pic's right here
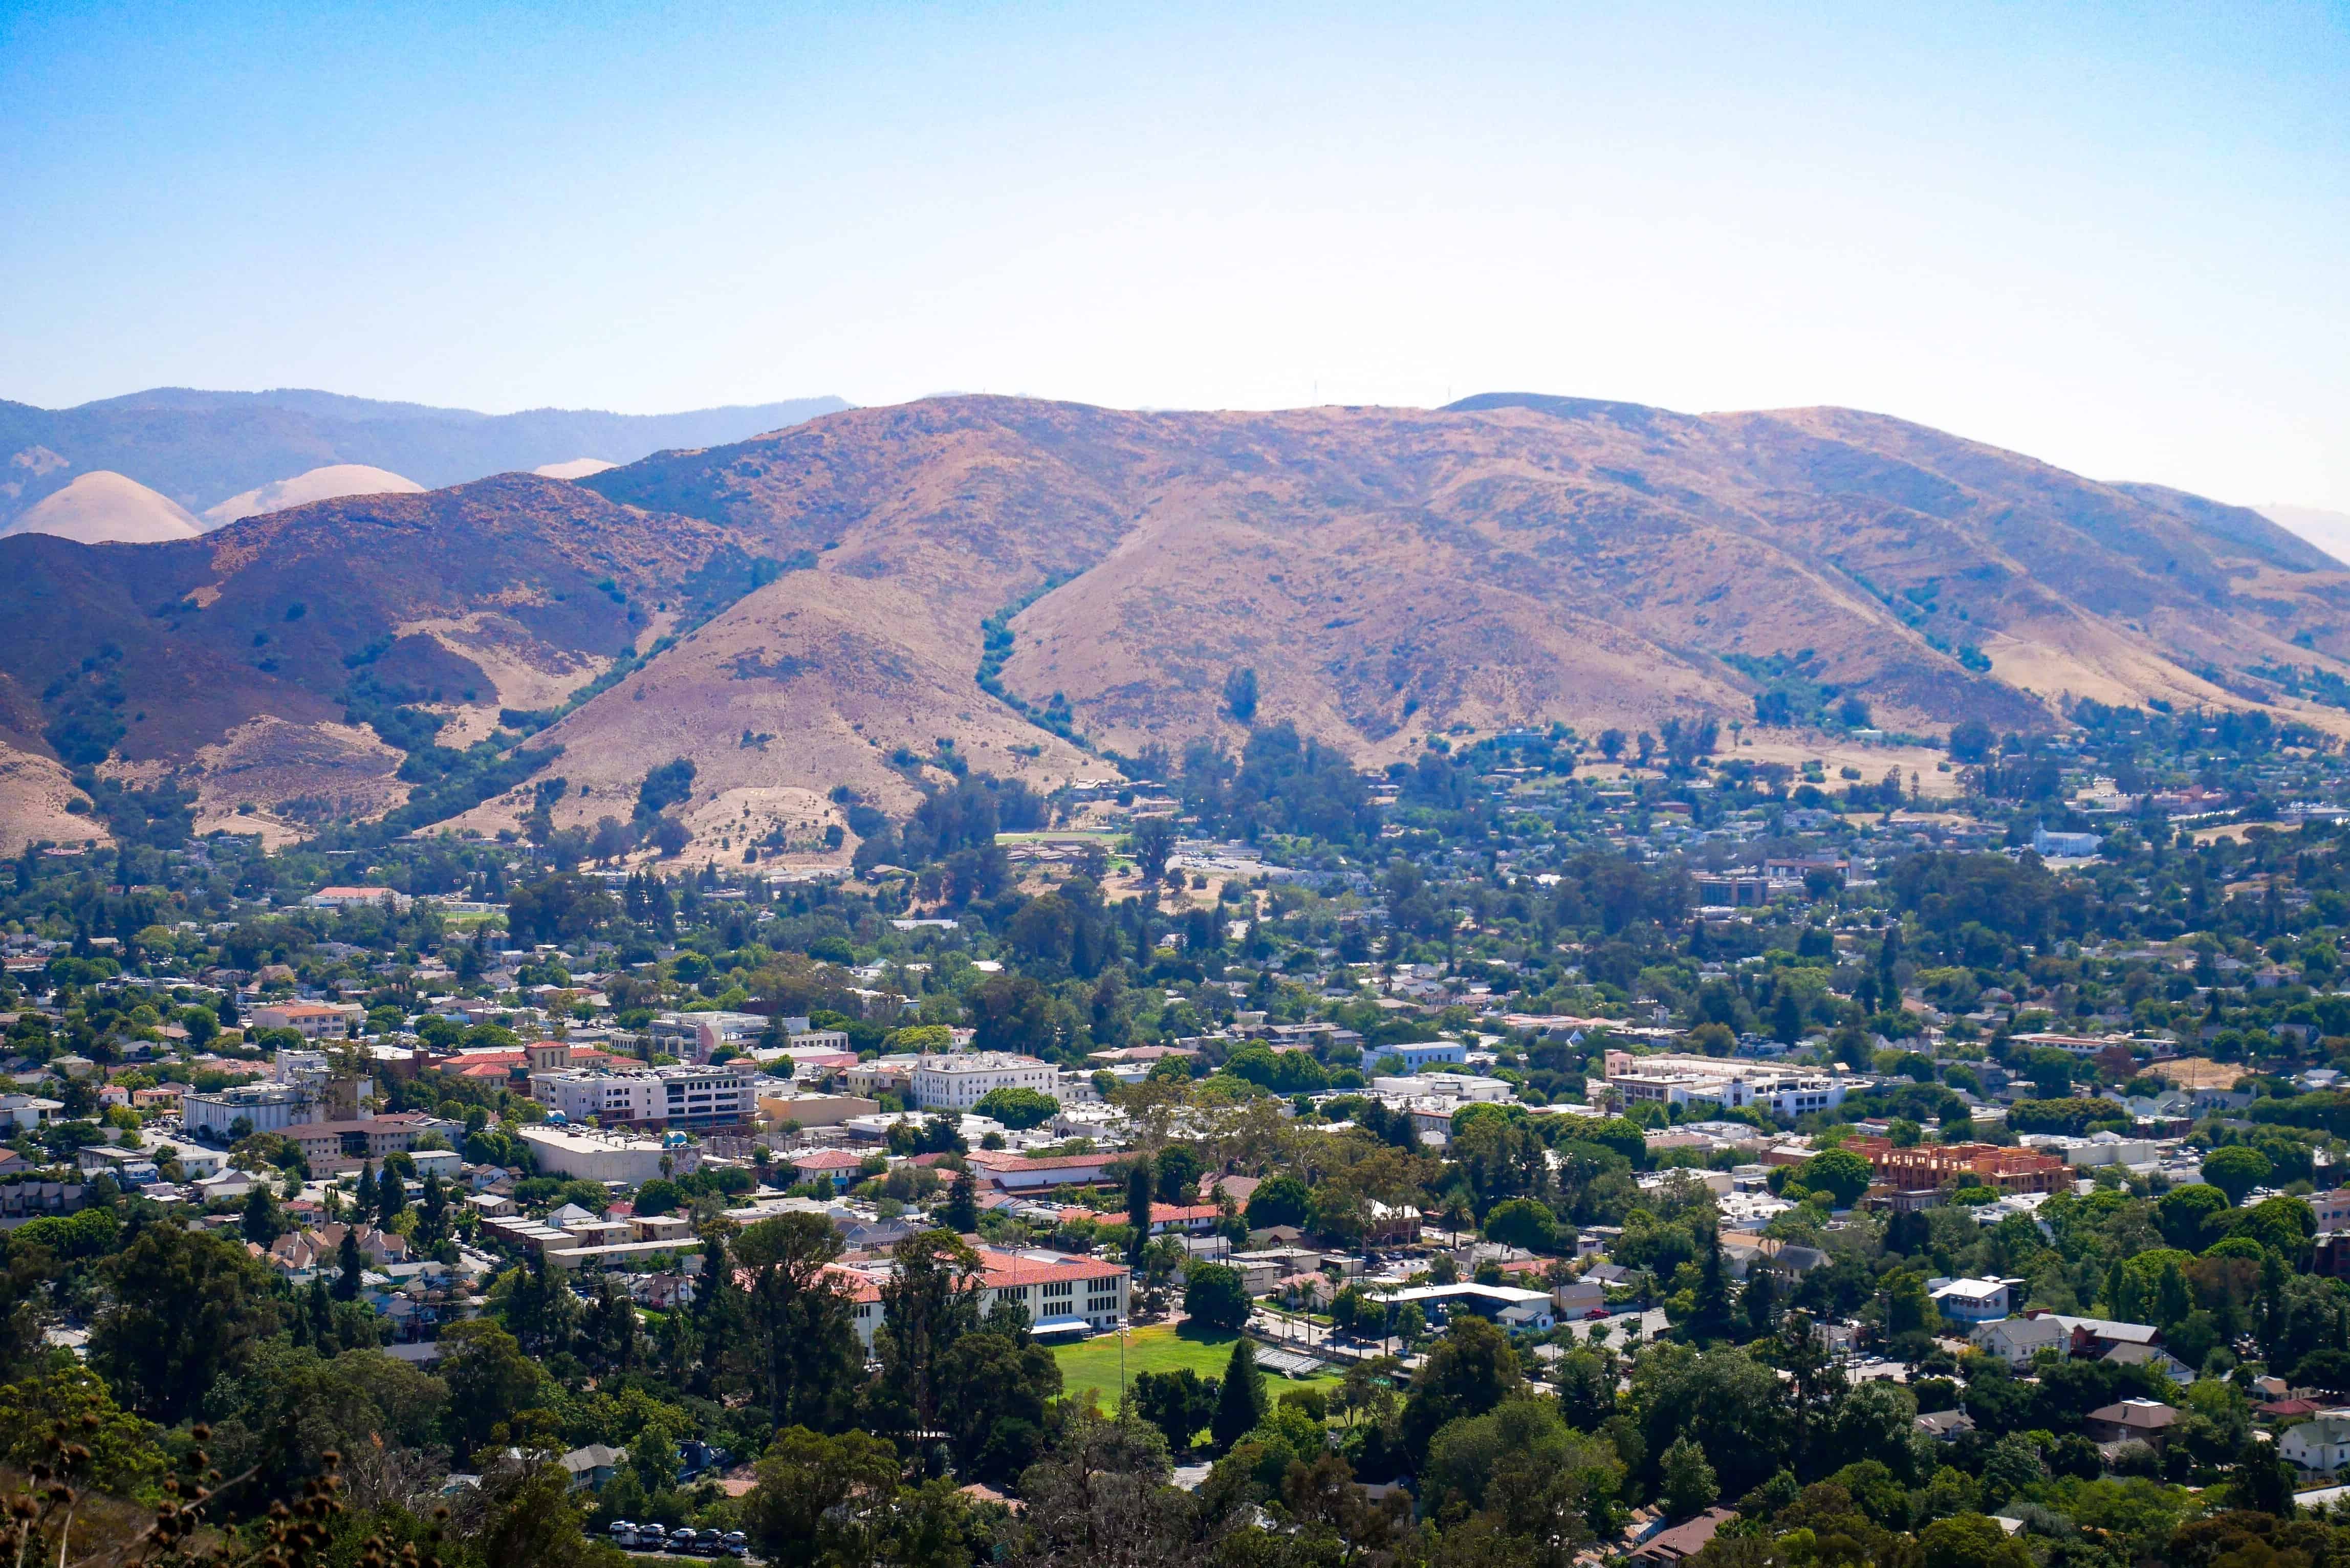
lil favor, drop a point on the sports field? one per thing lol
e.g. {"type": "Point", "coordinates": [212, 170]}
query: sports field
{"type": "Point", "coordinates": [1093, 1363]}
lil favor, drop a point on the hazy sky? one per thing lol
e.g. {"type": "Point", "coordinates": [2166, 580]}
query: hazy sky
{"type": "Point", "coordinates": [2117, 237]}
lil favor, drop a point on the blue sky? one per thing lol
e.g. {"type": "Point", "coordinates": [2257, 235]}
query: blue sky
{"type": "Point", "coordinates": [2114, 238]}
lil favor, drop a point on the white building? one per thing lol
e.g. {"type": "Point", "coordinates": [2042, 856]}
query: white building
{"type": "Point", "coordinates": [2017, 1340]}
{"type": "Point", "coordinates": [1466, 1087]}
{"type": "Point", "coordinates": [2319, 1445]}
{"type": "Point", "coordinates": [593, 1156]}
{"type": "Point", "coordinates": [675, 1095]}
{"type": "Point", "coordinates": [1418, 1054]}
{"type": "Point", "coordinates": [358, 898]}
{"type": "Point", "coordinates": [29, 1111]}
{"type": "Point", "coordinates": [694, 1035]}
{"type": "Point", "coordinates": [1972, 1300]}
{"type": "Point", "coordinates": [262, 1108]}
{"type": "Point", "coordinates": [1063, 1294]}
{"type": "Point", "coordinates": [310, 1020]}
{"type": "Point", "coordinates": [957, 1083]}
{"type": "Point", "coordinates": [1673, 1079]}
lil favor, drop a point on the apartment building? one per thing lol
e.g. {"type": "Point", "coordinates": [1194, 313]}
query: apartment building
{"type": "Point", "coordinates": [1928, 1166]}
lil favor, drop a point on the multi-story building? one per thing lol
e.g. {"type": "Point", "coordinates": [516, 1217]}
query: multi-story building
{"type": "Point", "coordinates": [1670, 1079]}
{"type": "Point", "coordinates": [329, 1146]}
{"type": "Point", "coordinates": [311, 1020]}
{"type": "Point", "coordinates": [957, 1083]}
{"type": "Point", "coordinates": [261, 1107]}
{"type": "Point", "coordinates": [695, 1035]}
{"type": "Point", "coordinates": [655, 1097]}
{"type": "Point", "coordinates": [1928, 1166]}
{"type": "Point", "coordinates": [1061, 1294]}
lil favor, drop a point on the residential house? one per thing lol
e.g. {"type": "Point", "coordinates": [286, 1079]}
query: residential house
{"type": "Point", "coordinates": [2146, 1421]}
{"type": "Point", "coordinates": [2017, 1340]}
{"type": "Point", "coordinates": [2320, 1446]}
{"type": "Point", "coordinates": [2153, 1356]}
{"type": "Point", "coordinates": [1682, 1541]}
{"type": "Point", "coordinates": [594, 1465]}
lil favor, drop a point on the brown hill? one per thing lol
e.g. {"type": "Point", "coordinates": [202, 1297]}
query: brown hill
{"type": "Point", "coordinates": [1388, 573]}
{"type": "Point", "coordinates": [230, 657]}
{"type": "Point", "coordinates": [1395, 573]}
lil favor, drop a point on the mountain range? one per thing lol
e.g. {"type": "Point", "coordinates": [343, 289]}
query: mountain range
{"type": "Point", "coordinates": [200, 449]}
{"type": "Point", "coordinates": [874, 596]}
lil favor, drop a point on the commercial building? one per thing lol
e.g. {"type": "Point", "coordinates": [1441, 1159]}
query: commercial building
{"type": "Point", "coordinates": [332, 1146]}
{"type": "Point", "coordinates": [261, 1107]}
{"type": "Point", "coordinates": [959, 1082]}
{"type": "Point", "coordinates": [670, 1096]}
{"type": "Point", "coordinates": [1521, 1311]}
{"type": "Point", "coordinates": [694, 1035]}
{"type": "Point", "coordinates": [1676, 1079]}
{"type": "Point", "coordinates": [608, 1157]}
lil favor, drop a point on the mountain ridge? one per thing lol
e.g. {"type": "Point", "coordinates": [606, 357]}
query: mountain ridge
{"type": "Point", "coordinates": [812, 608]}
{"type": "Point", "coordinates": [201, 448]}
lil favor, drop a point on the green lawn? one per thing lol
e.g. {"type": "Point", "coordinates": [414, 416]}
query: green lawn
{"type": "Point", "coordinates": [1093, 1363]}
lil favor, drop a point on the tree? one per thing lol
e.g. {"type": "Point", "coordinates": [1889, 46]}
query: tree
{"type": "Point", "coordinates": [1177, 1171]}
{"type": "Point", "coordinates": [2011, 1465]}
{"type": "Point", "coordinates": [1787, 1016]}
{"type": "Point", "coordinates": [1969, 1540]}
{"type": "Point", "coordinates": [959, 1213]}
{"type": "Point", "coordinates": [1154, 841]}
{"type": "Point", "coordinates": [527, 1513]}
{"type": "Point", "coordinates": [1018, 1108]}
{"type": "Point", "coordinates": [1524, 1223]}
{"type": "Point", "coordinates": [2181, 1212]}
{"type": "Point", "coordinates": [1240, 694]}
{"type": "Point", "coordinates": [350, 1265]}
{"type": "Point", "coordinates": [69, 1403]}
{"type": "Point", "coordinates": [1838, 1172]}
{"type": "Point", "coordinates": [1240, 1401]}
{"type": "Point", "coordinates": [1686, 1483]}
{"type": "Point", "coordinates": [1101, 1500]}
{"type": "Point", "coordinates": [931, 1299]}
{"type": "Point", "coordinates": [185, 1307]}
{"type": "Point", "coordinates": [261, 1225]}
{"type": "Point", "coordinates": [2236, 1170]}
{"type": "Point", "coordinates": [1137, 1206]}
{"type": "Point", "coordinates": [1711, 1320]}
{"type": "Point", "coordinates": [799, 1351]}
{"type": "Point", "coordinates": [1471, 1369]}
{"type": "Point", "coordinates": [1215, 1297]}
{"type": "Point", "coordinates": [490, 1380]}
{"type": "Point", "coordinates": [1970, 740]}
{"type": "Point", "coordinates": [822, 1503]}
{"type": "Point", "coordinates": [1279, 1200]}
{"type": "Point", "coordinates": [997, 1384]}
{"type": "Point", "coordinates": [1178, 1403]}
